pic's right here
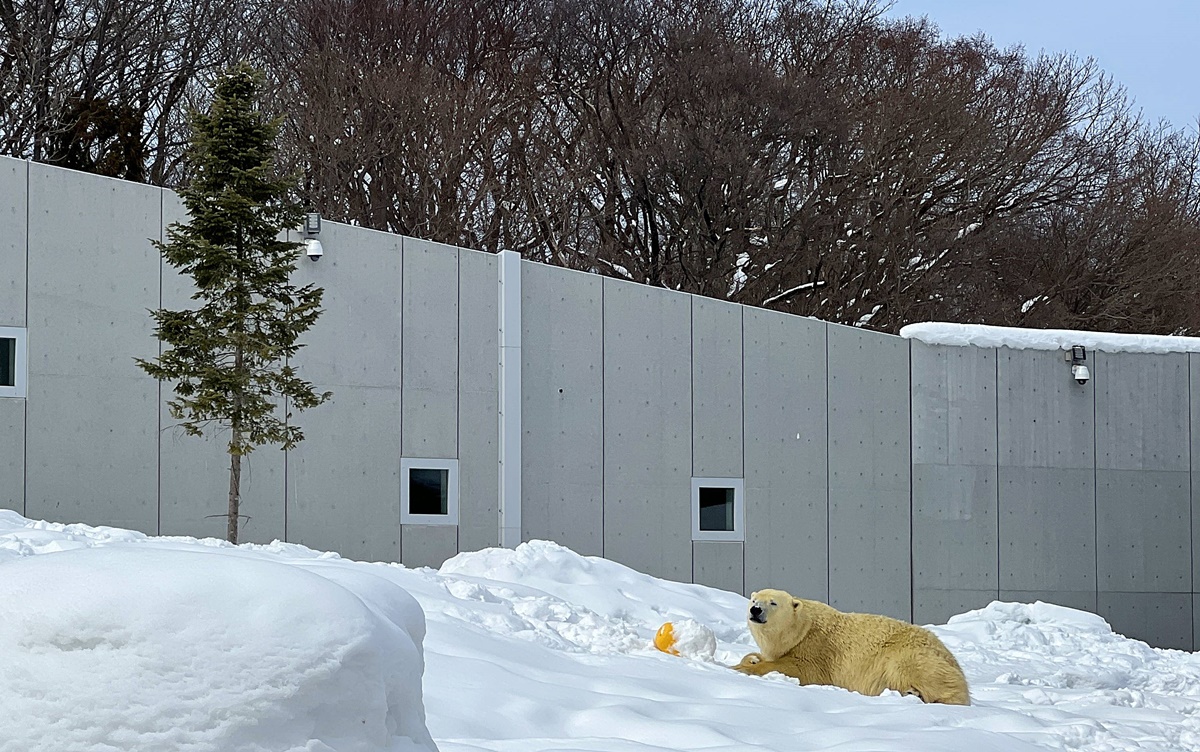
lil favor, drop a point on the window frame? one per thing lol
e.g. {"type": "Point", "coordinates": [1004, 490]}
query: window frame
{"type": "Point", "coordinates": [20, 388]}
{"type": "Point", "coordinates": [738, 534]}
{"type": "Point", "coordinates": [408, 464]}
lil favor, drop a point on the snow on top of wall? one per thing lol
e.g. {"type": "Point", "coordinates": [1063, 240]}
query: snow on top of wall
{"type": "Point", "coordinates": [979, 335]}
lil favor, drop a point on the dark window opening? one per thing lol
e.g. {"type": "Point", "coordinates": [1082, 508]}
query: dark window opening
{"type": "Point", "coordinates": [428, 491]}
{"type": "Point", "coordinates": [716, 509]}
{"type": "Point", "coordinates": [8, 361]}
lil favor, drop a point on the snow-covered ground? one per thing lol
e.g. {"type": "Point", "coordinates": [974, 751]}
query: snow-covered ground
{"type": "Point", "coordinates": [111, 640]}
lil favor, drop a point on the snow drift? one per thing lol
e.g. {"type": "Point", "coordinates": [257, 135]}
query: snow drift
{"type": "Point", "coordinates": [113, 640]}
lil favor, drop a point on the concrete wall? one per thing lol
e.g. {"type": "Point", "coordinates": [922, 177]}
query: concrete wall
{"type": "Point", "coordinates": [343, 480]}
{"type": "Point", "coordinates": [1143, 496]}
{"type": "Point", "coordinates": [94, 441]}
{"type": "Point", "coordinates": [1046, 469]}
{"type": "Point", "coordinates": [1027, 485]}
{"type": "Point", "coordinates": [1194, 433]}
{"type": "Point", "coordinates": [787, 454]}
{"type": "Point", "coordinates": [869, 468]}
{"type": "Point", "coordinates": [955, 498]}
{"type": "Point", "coordinates": [14, 221]}
{"type": "Point", "coordinates": [562, 395]}
{"type": "Point", "coordinates": [717, 427]}
{"type": "Point", "coordinates": [879, 474]}
{"type": "Point", "coordinates": [648, 429]}
{"type": "Point", "coordinates": [91, 436]}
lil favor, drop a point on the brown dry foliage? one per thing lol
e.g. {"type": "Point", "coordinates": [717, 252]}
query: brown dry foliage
{"type": "Point", "coordinates": [812, 156]}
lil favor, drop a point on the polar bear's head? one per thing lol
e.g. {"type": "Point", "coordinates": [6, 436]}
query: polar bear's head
{"type": "Point", "coordinates": [777, 621]}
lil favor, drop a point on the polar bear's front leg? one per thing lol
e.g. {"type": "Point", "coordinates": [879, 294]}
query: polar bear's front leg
{"type": "Point", "coordinates": [755, 664]}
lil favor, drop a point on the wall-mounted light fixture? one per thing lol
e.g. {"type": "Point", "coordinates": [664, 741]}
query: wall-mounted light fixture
{"type": "Point", "coordinates": [1076, 356]}
{"type": "Point", "coordinates": [312, 227]}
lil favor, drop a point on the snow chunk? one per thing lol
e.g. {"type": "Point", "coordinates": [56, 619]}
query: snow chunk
{"type": "Point", "coordinates": [979, 335]}
{"type": "Point", "coordinates": [1028, 304]}
{"type": "Point", "coordinates": [694, 640]}
{"type": "Point", "coordinates": [968, 230]}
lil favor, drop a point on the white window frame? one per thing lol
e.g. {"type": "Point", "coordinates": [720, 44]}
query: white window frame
{"type": "Point", "coordinates": [407, 464]}
{"type": "Point", "coordinates": [738, 534]}
{"type": "Point", "coordinates": [21, 388]}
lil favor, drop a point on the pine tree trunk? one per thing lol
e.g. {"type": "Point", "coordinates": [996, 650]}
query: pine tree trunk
{"type": "Point", "coordinates": [235, 457]}
{"type": "Point", "coordinates": [235, 492]}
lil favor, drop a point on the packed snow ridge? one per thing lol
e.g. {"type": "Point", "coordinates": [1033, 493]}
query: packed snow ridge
{"type": "Point", "coordinates": [114, 640]}
{"type": "Point", "coordinates": [980, 335]}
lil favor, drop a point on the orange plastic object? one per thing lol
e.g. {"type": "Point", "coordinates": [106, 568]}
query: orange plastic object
{"type": "Point", "coordinates": [664, 639]}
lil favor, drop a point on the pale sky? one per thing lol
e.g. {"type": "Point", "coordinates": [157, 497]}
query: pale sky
{"type": "Point", "coordinates": [1152, 47]}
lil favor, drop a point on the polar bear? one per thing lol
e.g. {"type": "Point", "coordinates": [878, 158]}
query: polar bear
{"type": "Point", "coordinates": [866, 653]}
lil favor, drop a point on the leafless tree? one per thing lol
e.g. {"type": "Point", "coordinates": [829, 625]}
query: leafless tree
{"type": "Point", "coordinates": [105, 85]}
{"type": "Point", "coordinates": [813, 156]}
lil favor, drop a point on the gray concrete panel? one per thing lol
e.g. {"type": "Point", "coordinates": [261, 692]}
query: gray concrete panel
{"type": "Point", "coordinates": [562, 412]}
{"type": "Point", "coordinates": [1194, 400]}
{"type": "Point", "coordinates": [1084, 600]}
{"type": "Point", "coordinates": [953, 405]}
{"type": "Point", "coordinates": [429, 355]}
{"type": "Point", "coordinates": [954, 488]}
{"type": "Point", "coordinates": [1047, 529]}
{"type": "Point", "coordinates": [647, 429]}
{"type": "Point", "coordinates": [356, 341]}
{"type": "Point", "coordinates": [92, 444]}
{"type": "Point", "coordinates": [1141, 411]}
{"type": "Point", "coordinates": [12, 453]}
{"type": "Point", "coordinates": [937, 605]}
{"type": "Point", "coordinates": [343, 480]}
{"type": "Point", "coordinates": [91, 451]}
{"type": "Point", "coordinates": [478, 402]}
{"type": "Point", "coordinates": [954, 533]}
{"type": "Point", "coordinates": [718, 564]}
{"type": "Point", "coordinates": [14, 206]}
{"type": "Point", "coordinates": [194, 471]}
{"type": "Point", "coordinates": [1195, 621]}
{"type": "Point", "coordinates": [194, 486]}
{"type": "Point", "coordinates": [93, 276]}
{"type": "Point", "coordinates": [1163, 620]}
{"type": "Point", "coordinates": [787, 495]}
{"type": "Point", "coordinates": [716, 389]}
{"type": "Point", "coordinates": [1142, 531]}
{"type": "Point", "coordinates": [869, 472]}
{"type": "Point", "coordinates": [428, 545]}
{"type": "Point", "coordinates": [1045, 418]}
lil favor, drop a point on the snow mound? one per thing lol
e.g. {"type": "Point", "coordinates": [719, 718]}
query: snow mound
{"type": "Point", "coordinates": [979, 335]}
{"type": "Point", "coordinates": [131, 646]}
{"type": "Point", "coordinates": [113, 640]}
{"type": "Point", "coordinates": [611, 590]}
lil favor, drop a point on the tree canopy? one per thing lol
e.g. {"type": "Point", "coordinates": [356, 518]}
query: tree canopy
{"type": "Point", "coordinates": [812, 156]}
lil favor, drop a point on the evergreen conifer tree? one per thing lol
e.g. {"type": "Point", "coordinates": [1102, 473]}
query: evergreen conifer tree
{"type": "Point", "coordinates": [228, 358]}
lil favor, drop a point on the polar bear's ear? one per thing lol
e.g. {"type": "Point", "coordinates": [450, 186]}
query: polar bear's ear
{"type": "Point", "coordinates": [795, 604]}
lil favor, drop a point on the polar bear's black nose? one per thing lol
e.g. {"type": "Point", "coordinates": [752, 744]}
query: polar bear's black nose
{"type": "Point", "coordinates": [756, 614]}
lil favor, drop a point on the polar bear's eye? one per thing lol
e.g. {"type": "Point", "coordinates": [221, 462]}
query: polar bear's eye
{"type": "Point", "coordinates": [773, 603]}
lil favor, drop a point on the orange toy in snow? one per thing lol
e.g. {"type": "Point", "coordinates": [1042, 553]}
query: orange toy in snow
{"type": "Point", "coordinates": [664, 639]}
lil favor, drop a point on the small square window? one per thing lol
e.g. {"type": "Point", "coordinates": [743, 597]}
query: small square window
{"type": "Point", "coordinates": [718, 509]}
{"type": "Point", "coordinates": [428, 491]}
{"type": "Point", "coordinates": [12, 362]}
